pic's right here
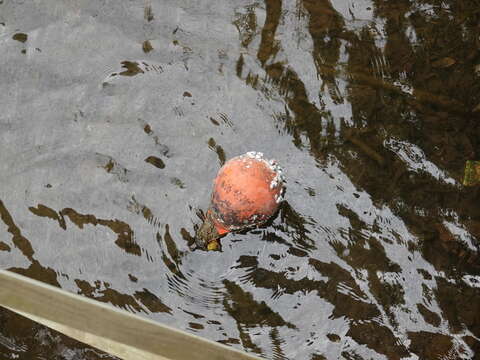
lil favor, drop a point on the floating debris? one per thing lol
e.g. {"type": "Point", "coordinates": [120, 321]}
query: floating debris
{"type": "Point", "coordinates": [472, 173]}
{"type": "Point", "coordinates": [20, 37]}
{"type": "Point", "coordinates": [147, 46]}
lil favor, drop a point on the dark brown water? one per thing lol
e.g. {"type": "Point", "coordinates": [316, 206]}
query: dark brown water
{"type": "Point", "coordinates": [116, 116]}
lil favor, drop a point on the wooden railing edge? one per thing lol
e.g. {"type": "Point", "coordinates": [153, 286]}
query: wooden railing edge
{"type": "Point", "coordinates": [105, 327]}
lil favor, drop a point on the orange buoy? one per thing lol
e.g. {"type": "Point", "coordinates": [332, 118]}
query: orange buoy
{"type": "Point", "coordinates": [246, 193]}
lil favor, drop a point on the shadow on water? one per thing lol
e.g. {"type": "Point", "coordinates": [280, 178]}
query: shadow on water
{"type": "Point", "coordinates": [17, 342]}
{"type": "Point", "coordinates": [375, 253]}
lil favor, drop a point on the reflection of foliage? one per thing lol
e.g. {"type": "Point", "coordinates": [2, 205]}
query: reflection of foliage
{"type": "Point", "coordinates": [408, 77]}
{"type": "Point", "coordinates": [413, 81]}
{"type": "Point", "coordinates": [102, 291]}
{"type": "Point", "coordinates": [35, 269]}
{"type": "Point", "coordinates": [352, 305]}
{"type": "Point", "coordinates": [295, 225]}
{"type": "Point", "coordinates": [249, 313]}
{"type": "Point", "coordinates": [246, 24]}
{"type": "Point", "coordinates": [379, 338]}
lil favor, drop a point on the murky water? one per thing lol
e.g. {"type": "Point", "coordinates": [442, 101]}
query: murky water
{"type": "Point", "coordinates": [116, 116]}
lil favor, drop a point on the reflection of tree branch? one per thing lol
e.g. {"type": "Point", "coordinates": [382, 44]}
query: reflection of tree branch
{"type": "Point", "coordinates": [20, 241]}
{"type": "Point", "coordinates": [324, 25]}
{"type": "Point", "coordinates": [418, 95]}
{"type": "Point", "coordinates": [35, 270]}
{"type": "Point", "coordinates": [267, 46]}
{"type": "Point", "coordinates": [366, 149]}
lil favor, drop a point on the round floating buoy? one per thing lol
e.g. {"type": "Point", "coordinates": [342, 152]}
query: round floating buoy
{"type": "Point", "coordinates": [246, 193]}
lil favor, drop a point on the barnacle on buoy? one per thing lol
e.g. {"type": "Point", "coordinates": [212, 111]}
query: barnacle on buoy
{"type": "Point", "coordinates": [246, 193]}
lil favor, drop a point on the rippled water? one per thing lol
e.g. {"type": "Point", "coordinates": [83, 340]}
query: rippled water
{"type": "Point", "coordinates": [116, 116]}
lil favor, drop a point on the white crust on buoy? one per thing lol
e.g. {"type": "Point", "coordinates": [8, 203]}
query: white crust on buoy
{"type": "Point", "coordinates": [278, 179]}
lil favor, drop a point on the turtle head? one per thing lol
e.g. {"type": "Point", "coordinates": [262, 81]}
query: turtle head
{"type": "Point", "coordinates": [207, 237]}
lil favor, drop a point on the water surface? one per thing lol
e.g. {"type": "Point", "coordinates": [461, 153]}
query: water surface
{"type": "Point", "coordinates": [116, 116]}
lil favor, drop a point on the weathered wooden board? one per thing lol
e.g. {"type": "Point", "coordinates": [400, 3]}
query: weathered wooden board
{"type": "Point", "coordinates": [102, 326]}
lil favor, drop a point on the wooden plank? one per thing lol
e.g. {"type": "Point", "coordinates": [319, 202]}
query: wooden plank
{"type": "Point", "coordinates": [120, 350]}
{"type": "Point", "coordinates": [107, 328]}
